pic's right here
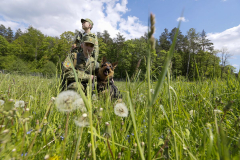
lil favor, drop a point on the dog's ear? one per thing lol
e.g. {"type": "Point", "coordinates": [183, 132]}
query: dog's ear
{"type": "Point", "coordinates": [104, 60]}
{"type": "Point", "coordinates": [114, 65]}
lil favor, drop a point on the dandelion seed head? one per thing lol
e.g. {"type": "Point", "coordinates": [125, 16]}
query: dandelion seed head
{"type": "Point", "coordinates": [31, 97]}
{"type": "Point", "coordinates": [82, 121]}
{"type": "Point", "coordinates": [19, 104]}
{"type": "Point", "coordinates": [2, 102]}
{"type": "Point", "coordinates": [192, 113]}
{"type": "Point", "coordinates": [46, 157]}
{"type": "Point", "coordinates": [152, 91]}
{"type": "Point", "coordinates": [94, 97]}
{"type": "Point", "coordinates": [121, 110]}
{"type": "Point", "coordinates": [101, 109]}
{"type": "Point", "coordinates": [79, 104]}
{"type": "Point", "coordinates": [68, 101]}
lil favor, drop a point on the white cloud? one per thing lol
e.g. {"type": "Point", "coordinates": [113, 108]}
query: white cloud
{"type": "Point", "coordinates": [57, 16]}
{"type": "Point", "coordinates": [229, 38]}
{"type": "Point", "coordinates": [182, 19]}
{"type": "Point", "coordinates": [235, 65]}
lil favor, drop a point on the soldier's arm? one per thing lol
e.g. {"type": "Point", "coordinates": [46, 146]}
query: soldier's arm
{"type": "Point", "coordinates": [69, 73]}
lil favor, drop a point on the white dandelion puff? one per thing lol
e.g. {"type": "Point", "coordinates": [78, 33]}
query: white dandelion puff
{"type": "Point", "coordinates": [140, 97]}
{"type": "Point", "coordinates": [82, 121]}
{"type": "Point", "coordinates": [68, 101]}
{"type": "Point", "coordinates": [19, 104]}
{"type": "Point", "coordinates": [217, 111]}
{"type": "Point", "coordinates": [2, 102]}
{"type": "Point", "coordinates": [94, 97]}
{"type": "Point", "coordinates": [152, 91]}
{"type": "Point", "coordinates": [31, 97]}
{"type": "Point", "coordinates": [192, 113]}
{"type": "Point", "coordinates": [121, 110]}
{"type": "Point", "coordinates": [79, 104]}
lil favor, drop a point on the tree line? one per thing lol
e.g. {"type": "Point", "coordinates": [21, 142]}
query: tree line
{"type": "Point", "coordinates": [194, 57]}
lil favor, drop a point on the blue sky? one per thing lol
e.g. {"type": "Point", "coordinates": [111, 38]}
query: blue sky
{"type": "Point", "coordinates": [219, 18]}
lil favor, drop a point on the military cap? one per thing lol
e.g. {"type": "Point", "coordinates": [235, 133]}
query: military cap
{"type": "Point", "coordinates": [89, 38]}
{"type": "Point", "coordinates": [88, 20]}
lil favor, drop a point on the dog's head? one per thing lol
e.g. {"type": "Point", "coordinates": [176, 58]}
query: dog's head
{"type": "Point", "coordinates": [106, 70]}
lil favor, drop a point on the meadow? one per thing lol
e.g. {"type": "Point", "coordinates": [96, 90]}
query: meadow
{"type": "Point", "coordinates": [190, 120]}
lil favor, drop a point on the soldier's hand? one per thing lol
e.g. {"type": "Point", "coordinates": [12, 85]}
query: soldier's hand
{"type": "Point", "coordinates": [74, 46]}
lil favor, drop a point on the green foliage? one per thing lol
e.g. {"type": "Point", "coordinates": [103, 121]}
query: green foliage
{"type": "Point", "coordinates": [19, 66]}
{"type": "Point", "coordinates": [194, 55]}
{"type": "Point", "coordinates": [49, 69]}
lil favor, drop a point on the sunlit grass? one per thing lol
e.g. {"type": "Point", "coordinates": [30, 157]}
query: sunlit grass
{"type": "Point", "coordinates": [206, 134]}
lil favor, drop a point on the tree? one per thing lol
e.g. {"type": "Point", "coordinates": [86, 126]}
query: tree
{"type": "Point", "coordinates": [106, 37]}
{"type": "Point", "coordinates": [9, 35]}
{"type": "Point", "coordinates": [18, 34]}
{"type": "Point", "coordinates": [205, 43]}
{"type": "Point", "coordinates": [3, 30]}
{"type": "Point", "coordinates": [225, 55]}
{"type": "Point", "coordinates": [164, 41]}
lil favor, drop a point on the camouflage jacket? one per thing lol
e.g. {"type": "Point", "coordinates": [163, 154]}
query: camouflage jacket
{"type": "Point", "coordinates": [78, 41]}
{"type": "Point", "coordinates": [82, 66]}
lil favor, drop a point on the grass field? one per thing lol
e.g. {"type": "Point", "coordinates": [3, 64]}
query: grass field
{"type": "Point", "coordinates": [189, 120]}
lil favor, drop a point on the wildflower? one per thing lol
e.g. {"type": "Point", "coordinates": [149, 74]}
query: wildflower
{"type": "Point", "coordinates": [152, 91]}
{"type": "Point", "coordinates": [19, 104]}
{"type": "Point", "coordinates": [140, 97]}
{"type": "Point", "coordinates": [94, 97]}
{"type": "Point", "coordinates": [53, 99]}
{"type": "Point", "coordinates": [135, 145]}
{"type": "Point", "coordinates": [68, 101]}
{"type": "Point", "coordinates": [142, 143]}
{"type": "Point", "coordinates": [46, 156]}
{"type": "Point", "coordinates": [217, 111]}
{"type": "Point", "coordinates": [119, 155]}
{"type": "Point", "coordinates": [121, 110]}
{"type": "Point", "coordinates": [82, 121]}
{"type": "Point", "coordinates": [1, 102]}
{"type": "Point", "coordinates": [31, 97]}
{"type": "Point", "coordinates": [89, 145]}
{"type": "Point", "coordinates": [184, 146]}
{"type": "Point", "coordinates": [29, 131]}
{"type": "Point", "coordinates": [192, 113]}
{"type": "Point", "coordinates": [14, 149]}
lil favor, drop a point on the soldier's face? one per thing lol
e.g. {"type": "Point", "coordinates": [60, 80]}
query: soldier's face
{"type": "Point", "coordinates": [86, 25]}
{"type": "Point", "coordinates": [87, 48]}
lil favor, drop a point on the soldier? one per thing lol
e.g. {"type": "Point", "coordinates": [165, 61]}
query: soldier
{"type": "Point", "coordinates": [82, 62]}
{"type": "Point", "coordinates": [87, 25]}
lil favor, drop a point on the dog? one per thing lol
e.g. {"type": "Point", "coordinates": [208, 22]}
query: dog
{"type": "Point", "coordinates": [105, 79]}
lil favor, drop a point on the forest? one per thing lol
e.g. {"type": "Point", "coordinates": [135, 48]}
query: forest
{"type": "Point", "coordinates": [194, 55]}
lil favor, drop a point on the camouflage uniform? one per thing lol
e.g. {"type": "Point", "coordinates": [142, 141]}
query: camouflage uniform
{"type": "Point", "coordinates": [78, 40]}
{"type": "Point", "coordinates": [82, 66]}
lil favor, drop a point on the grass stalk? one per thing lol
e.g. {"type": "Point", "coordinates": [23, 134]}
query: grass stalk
{"type": "Point", "coordinates": [171, 107]}
{"type": "Point", "coordinates": [65, 135]}
{"type": "Point", "coordinates": [78, 143]}
{"type": "Point", "coordinates": [45, 115]}
{"type": "Point", "coordinates": [135, 126]}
